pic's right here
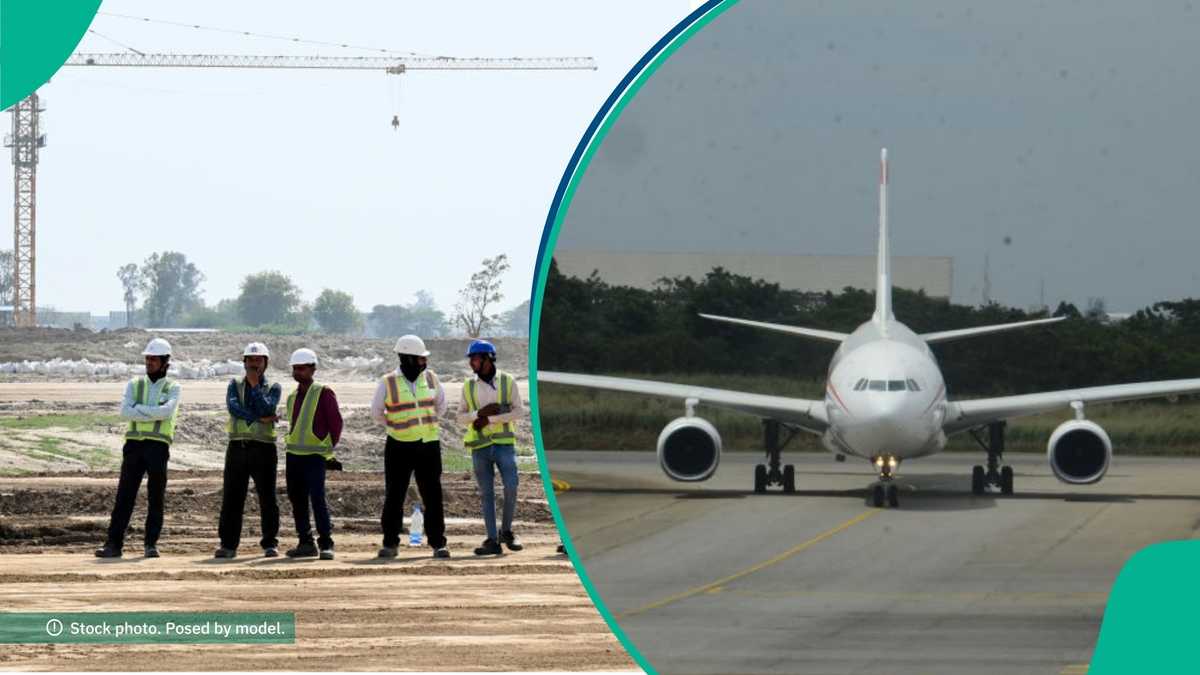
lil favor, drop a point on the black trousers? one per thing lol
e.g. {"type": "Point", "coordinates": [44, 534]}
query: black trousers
{"type": "Point", "coordinates": [400, 461]}
{"type": "Point", "coordinates": [138, 459]}
{"type": "Point", "coordinates": [305, 483]}
{"type": "Point", "coordinates": [246, 461]}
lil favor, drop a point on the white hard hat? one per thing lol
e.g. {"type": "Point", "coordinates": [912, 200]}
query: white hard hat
{"type": "Point", "coordinates": [256, 349]}
{"type": "Point", "coordinates": [412, 345]}
{"type": "Point", "coordinates": [157, 347]}
{"type": "Point", "coordinates": [303, 357]}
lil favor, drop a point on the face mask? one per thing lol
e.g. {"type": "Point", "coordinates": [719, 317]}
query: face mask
{"type": "Point", "coordinates": [410, 366]}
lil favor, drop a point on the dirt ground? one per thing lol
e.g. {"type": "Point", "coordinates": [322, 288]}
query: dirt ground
{"type": "Point", "coordinates": [59, 453]}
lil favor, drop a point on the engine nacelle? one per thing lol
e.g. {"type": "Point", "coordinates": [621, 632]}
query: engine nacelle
{"type": "Point", "coordinates": [689, 449]}
{"type": "Point", "coordinates": [1079, 452]}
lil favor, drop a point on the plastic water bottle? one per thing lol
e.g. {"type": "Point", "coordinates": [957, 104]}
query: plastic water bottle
{"type": "Point", "coordinates": [416, 527]}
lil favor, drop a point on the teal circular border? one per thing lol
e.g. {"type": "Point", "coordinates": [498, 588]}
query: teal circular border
{"type": "Point", "coordinates": [584, 151]}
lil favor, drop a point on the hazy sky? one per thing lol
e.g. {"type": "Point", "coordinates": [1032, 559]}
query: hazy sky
{"type": "Point", "coordinates": [1058, 137]}
{"type": "Point", "coordinates": [301, 171]}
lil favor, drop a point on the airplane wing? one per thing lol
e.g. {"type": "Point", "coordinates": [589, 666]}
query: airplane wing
{"type": "Point", "coordinates": [946, 335]}
{"type": "Point", "coordinates": [963, 415]}
{"type": "Point", "coordinates": [805, 413]}
{"type": "Point", "coordinates": [814, 333]}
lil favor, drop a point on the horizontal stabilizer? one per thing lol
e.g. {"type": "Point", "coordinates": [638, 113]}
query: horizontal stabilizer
{"type": "Point", "coordinates": [817, 334]}
{"type": "Point", "coordinates": [947, 335]}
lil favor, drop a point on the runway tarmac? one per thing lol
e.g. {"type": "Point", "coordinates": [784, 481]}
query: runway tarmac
{"type": "Point", "coordinates": [711, 578]}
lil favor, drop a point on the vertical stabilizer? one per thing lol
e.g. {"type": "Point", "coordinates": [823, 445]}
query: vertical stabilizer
{"type": "Point", "coordinates": [883, 279]}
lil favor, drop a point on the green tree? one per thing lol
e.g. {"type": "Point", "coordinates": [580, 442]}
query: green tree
{"type": "Point", "coordinates": [171, 286]}
{"type": "Point", "coordinates": [388, 320]}
{"type": "Point", "coordinates": [336, 313]}
{"type": "Point", "coordinates": [426, 319]}
{"type": "Point", "coordinates": [516, 320]}
{"type": "Point", "coordinates": [268, 298]}
{"type": "Point", "coordinates": [422, 317]}
{"type": "Point", "coordinates": [481, 293]}
{"type": "Point", "coordinates": [130, 278]}
{"type": "Point", "coordinates": [6, 277]}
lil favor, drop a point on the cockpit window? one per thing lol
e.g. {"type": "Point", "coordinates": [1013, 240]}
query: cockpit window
{"type": "Point", "coordinates": [886, 385]}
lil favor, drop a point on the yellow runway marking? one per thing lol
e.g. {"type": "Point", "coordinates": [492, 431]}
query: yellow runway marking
{"type": "Point", "coordinates": [1075, 669]}
{"type": "Point", "coordinates": [560, 485]}
{"type": "Point", "coordinates": [709, 587]}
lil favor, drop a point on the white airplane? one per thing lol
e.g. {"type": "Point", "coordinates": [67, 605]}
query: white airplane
{"type": "Point", "coordinates": [885, 401]}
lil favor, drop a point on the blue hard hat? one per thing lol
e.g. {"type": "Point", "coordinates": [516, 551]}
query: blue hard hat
{"type": "Point", "coordinates": [481, 347]}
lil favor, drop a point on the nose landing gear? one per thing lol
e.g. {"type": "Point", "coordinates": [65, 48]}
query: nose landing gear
{"type": "Point", "coordinates": [885, 491]}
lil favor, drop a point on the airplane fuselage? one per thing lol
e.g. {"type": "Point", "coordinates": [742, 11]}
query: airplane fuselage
{"type": "Point", "coordinates": [885, 396]}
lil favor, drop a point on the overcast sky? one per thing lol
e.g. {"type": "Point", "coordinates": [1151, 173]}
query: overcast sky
{"type": "Point", "coordinates": [301, 171]}
{"type": "Point", "coordinates": [1060, 138]}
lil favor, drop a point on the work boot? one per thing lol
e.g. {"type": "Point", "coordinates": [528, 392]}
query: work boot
{"type": "Point", "coordinates": [306, 549]}
{"type": "Point", "coordinates": [388, 552]}
{"type": "Point", "coordinates": [225, 553]}
{"type": "Point", "coordinates": [271, 552]}
{"type": "Point", "coordinates": [489, 547]}
{"type": "Point", "coordinates": [511, 541]}
{"type": "Point", "coordinates": [327, 554]}
{"type": "Point", "coordinates": [108, 552]}
{"type": "Point", "coordinates": [151, 552]}
{"type": "Point", "coordinates": [442, 552]}
{"type": "Point", "coordinates": [562, 548]}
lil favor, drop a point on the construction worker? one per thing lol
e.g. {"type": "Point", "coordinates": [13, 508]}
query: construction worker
{"type": "Point", "coordinates": [251, 454]}
{"type": "Point", "coordinates": [151, 404]}
{"type": "Point", "coordinates": [489, 407]}
{"type": "Point", "coordinates": [316, 427]}
{"type": "Point", "coordinates": [408, 402]}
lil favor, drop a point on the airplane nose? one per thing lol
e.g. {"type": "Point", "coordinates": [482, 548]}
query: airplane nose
{"type": "Point", "coordinates": [882, 426]}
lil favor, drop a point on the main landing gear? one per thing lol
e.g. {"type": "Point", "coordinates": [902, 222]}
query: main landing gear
{"type": "Point", "coordinates": [772, 473]}
{"type": "Point", "coordinates": [885, 491]}
{"type": "Point", "coordinates": [995, 475]}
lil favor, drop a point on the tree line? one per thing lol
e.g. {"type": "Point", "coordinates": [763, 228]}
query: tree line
{"type": "Point", "coordinates": [588, 325]}
{"type": "Point", "coordinates": [165, 291]}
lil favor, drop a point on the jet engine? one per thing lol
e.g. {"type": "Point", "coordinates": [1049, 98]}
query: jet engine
{"type": "Point", "coordinates": [689, 449]}
{"type": "Point", "coordinates": [1079, 452]}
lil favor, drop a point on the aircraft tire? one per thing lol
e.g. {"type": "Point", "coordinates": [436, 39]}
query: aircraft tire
{"type": "Point", "coordinates": [978, 476]}
{"type": "Point", "coordinates": [1006, 480]}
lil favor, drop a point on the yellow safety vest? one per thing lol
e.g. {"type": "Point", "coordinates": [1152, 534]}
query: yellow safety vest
{"type": "Point", "coordinates": [492, 434]}
{"type": "Point", "coordinates": [158, 430]}
{"type": "Point", "coordinates": [300, 438]}
{"type": "Point", "coordinates": [241, 430]}
{"type": "Point", "coordinates": [411, 416]}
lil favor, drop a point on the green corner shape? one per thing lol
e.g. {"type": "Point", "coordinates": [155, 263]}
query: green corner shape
{"type": "Point", "coordinates": [36, 37]}
{"type": "Point", "coordinates": [1148, 624]}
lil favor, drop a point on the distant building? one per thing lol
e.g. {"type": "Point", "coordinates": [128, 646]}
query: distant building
{"type": "Point", "coordinates": [53, 318]}
{"type": "Point", "coordinates": [812, 273]}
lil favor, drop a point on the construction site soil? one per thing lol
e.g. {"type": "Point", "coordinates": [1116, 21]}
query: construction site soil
{"type": "Point", "coordinates": [59, 455]}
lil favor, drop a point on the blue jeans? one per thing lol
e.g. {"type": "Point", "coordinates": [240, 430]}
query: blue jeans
{"type": "Point", "coordinates": [486, 460]}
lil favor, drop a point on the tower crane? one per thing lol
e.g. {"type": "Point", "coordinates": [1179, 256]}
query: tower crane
{"type": "Point", "coordinates": [27, 138]}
